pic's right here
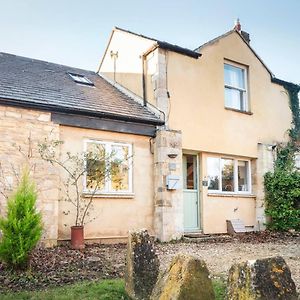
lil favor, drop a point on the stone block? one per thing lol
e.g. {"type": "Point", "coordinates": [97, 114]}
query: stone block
{"type": "Point", "coordinates": [187, 277]}
{"type": "Point", "coordinates": [142, 265]}
{"type": "Point", "coordinates": [44, 117]}
{"type": "Point", "coordinates": [13, 114]}
{"type": "Point", "coordinates": [261, 279]}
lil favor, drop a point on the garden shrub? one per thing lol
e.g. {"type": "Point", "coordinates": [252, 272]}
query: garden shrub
{"type": "Point", "coordinates": [282, 187]}
{"type": "Point", "coordinates": [282, 192]}
{"type": "Point", "coordinates": [22, 227]}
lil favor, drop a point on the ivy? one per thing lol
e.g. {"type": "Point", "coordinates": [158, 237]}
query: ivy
{"type": "Point", "coordinates": [282, 187]}
{"type": "Point", "coordinates": [282, 191]}
{"type": "Point", "coordinates": [293, 92]}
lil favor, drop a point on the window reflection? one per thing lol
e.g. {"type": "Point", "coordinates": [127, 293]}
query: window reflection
{"type": "Point", "coordinates": [190, 172]}
{"type": "Point", "coordinates": [227, 175]}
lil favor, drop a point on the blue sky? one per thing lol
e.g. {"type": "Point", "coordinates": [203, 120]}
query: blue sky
{"type": "Point", "coordinates": [75, 33]}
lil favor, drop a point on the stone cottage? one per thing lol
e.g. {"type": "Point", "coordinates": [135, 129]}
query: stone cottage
{"type": "Point", "coordinates": [200, 127]}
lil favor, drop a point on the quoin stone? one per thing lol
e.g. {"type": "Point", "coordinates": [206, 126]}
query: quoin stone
{"type": "Point", "coordinates": [142, 265]}
{"type": "Point", "coordinates": [187, 277]}
{"type": "Point", "coordinates": [261, 279]}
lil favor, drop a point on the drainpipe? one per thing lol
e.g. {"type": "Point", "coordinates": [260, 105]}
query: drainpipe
{"type": "Point", "coordinates": [114, 56]}
{"type": "Point", "coordinates": [144, 79]}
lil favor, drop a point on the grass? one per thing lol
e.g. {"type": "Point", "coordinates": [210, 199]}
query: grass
{"type": "Point", "coordinates": [103, 290]}
{"type": "Point", "coordinates": [219, 288]}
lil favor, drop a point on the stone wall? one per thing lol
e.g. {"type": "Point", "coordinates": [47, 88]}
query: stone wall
{"type": "Point", "coordinates": [160, 82]}
{"type": "Point", "coordinates": [168, 210]}
{"type": "Point", "coordinates": [264, 164]}
{"type": "Point", "coordinates": [20, 132]}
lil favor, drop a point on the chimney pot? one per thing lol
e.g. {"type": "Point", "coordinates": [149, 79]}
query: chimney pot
{"type": "Point", "coordinates": [237, 25]}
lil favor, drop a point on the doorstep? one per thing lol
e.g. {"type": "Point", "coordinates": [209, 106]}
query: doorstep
{"type": "Point", "coordinates": [198, 237]}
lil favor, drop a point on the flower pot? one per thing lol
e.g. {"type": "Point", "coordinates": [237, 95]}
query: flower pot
{"type": "Point", "coordinates": [77, 237]}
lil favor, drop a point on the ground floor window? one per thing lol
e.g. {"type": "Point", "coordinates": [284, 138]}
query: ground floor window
{"type": "Point", "coordinates": [228, 175]}
{"type": "Point", "coordinates": [108, 167]}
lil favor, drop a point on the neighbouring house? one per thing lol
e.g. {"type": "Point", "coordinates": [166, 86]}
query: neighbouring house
{"type": "Point", "coordinates": [199, 125]}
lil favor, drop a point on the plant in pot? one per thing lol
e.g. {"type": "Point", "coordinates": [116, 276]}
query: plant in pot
{"type": "Point", "coordinates": [83, 176]}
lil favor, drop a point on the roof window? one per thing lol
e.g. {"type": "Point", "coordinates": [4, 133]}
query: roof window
{"type": "Point", "coordinates": [80, 79]}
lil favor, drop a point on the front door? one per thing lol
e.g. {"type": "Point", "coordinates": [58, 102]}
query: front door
{"type": "Point", "coordinates": [190, 192]}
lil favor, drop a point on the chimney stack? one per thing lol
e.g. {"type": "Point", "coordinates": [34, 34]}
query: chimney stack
{"type": "Point", "coordinates": [238, 28]}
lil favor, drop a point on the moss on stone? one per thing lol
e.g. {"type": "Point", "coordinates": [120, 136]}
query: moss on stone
{"type": "Point", "coordinates": [261, 279]}
{"type": "Point", "coordinates": [186, 278]}
{"type": "Point", "coordinates": [142, 265]}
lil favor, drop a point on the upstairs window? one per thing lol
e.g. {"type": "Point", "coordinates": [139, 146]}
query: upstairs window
{"type": "Point", "coordinates": [80, 79]}
{"type": "Point", "coordinates": [235, 87]}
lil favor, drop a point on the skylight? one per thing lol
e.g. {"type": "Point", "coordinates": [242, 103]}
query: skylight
{"type": "Point", "coordinates": [80, 79]}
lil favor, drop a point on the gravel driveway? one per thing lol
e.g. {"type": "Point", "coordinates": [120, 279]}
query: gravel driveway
{"type": "Point", "coordinates": [219, 257]}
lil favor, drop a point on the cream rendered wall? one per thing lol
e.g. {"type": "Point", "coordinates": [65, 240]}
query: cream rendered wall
{"type": "Point", "coordinates": [129, 67]}
{"type": "Point", "coordinates": [197, 102]}
{"type": "Point", "coordinates": [116, 215]}
{"type": "Point", "coordinates": [197, 109]}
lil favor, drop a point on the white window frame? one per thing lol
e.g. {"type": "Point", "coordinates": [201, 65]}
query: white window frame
{"type": "Point", "coordinates": [245, 90]}
{"type": "Point", "coordinates": [235, 176]}
{"type": "Point", "coordinates": [107, 185]}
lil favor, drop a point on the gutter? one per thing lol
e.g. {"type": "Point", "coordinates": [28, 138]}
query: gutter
{"type": "Point", "coordinates": [285, 83]}
{"type": "Point", "coordinates": [55, 108]}
{"type": "Point", "coordinates": [178, 49]}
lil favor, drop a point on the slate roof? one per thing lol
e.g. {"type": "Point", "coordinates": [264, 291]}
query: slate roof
{"type": "Point", "coordinates": [40, 84]}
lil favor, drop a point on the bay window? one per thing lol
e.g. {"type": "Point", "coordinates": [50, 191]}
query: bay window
{"type": "Point", "coordinates": [228, 175]}
{"type": "Point", "coordinates": [108, 167]}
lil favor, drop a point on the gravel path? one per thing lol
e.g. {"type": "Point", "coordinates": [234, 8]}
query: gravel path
{"type": "Point", "coordinates": [220, 256]}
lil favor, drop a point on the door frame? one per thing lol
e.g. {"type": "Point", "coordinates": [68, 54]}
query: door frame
{"type": "Point", "coordinates": [196, 154]}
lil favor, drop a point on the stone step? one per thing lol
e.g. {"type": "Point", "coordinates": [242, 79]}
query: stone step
{"type": "Point", "coordinates": [201, 237]}
{"type": "Point", "coordinates": [194, 234]}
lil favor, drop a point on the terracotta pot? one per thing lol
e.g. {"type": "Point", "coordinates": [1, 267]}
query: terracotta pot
{"type": "Point", "coordinates": [77, 237]}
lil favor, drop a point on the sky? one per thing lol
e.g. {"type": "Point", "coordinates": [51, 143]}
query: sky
{"type": "Point", "coordinates": [76, 32]}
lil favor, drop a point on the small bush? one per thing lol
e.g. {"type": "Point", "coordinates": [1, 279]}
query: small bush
{"type": "Point", "coordinates": [22, 228]}
{"type": "Point", "coordinates": [283, 198]}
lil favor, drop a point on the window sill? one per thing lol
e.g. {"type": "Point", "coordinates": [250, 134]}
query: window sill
{"type": "Point", "coordinates": [239, 111]}
{"type": "Point", "coordinates": [232, 195]}
{"type": "Point", "coordinates": [110, 195]}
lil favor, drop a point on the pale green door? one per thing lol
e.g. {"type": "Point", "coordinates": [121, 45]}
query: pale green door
{"type": "Point", "coordinates": [190, 193]}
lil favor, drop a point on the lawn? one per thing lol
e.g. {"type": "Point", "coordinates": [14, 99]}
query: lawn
{"type": "Point", "coordinates": [104, 290]}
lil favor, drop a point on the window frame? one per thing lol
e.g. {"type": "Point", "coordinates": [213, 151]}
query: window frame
{"type": "Point", "coordinates": [235, 176]}
{"type": "Point", "coordinates": [75, 77]}
{"type": "Point", "coordinates": [245, 90]}
{"type": "Point", "coordinates": [108, 183]}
